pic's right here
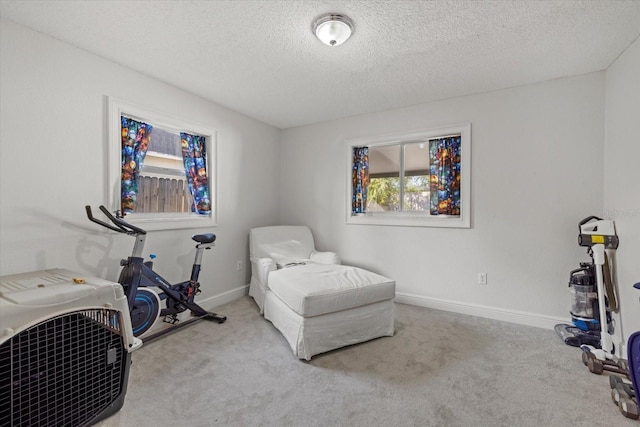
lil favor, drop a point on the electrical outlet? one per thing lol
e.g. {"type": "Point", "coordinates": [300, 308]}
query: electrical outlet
{"type": "Point", "coordinates": [238, 265]}
{"type": "Point", "coordinates": [482, 278]}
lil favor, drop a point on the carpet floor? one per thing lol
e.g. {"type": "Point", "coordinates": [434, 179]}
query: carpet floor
{"type": "Point", "coordinates": [439, 369]}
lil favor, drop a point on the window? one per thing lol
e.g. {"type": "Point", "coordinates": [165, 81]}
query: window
{"type": "Point", "coordinates": [413, 179]}
{"type": "Point", "coordinates": [161, 169]}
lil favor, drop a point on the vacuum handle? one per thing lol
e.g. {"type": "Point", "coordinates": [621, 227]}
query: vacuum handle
{"type": "Point", "coordinates": [586, 220]}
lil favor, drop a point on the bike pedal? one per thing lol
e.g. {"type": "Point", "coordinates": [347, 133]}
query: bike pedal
{"type": "Point", "coordinates": [171, 319]}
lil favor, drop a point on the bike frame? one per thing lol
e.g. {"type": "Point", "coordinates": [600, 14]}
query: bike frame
{"type": "Point", "coordinates": [136, 273]}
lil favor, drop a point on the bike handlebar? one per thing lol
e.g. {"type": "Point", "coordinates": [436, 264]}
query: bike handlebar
{"type": "Point", "coordinates": [120, 226]}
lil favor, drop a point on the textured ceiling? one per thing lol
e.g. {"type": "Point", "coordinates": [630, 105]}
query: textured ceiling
{"type": "Point", "coordinates": [260, 58]}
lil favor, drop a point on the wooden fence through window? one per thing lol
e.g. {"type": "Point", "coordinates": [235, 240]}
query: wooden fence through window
{"type": "Point", "coordinates": [163, 195]}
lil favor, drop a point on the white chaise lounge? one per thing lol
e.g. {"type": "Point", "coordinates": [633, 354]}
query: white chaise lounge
{"type": "Point", "coordinates": [314, 301]}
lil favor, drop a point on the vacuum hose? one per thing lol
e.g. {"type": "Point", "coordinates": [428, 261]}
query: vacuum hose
{"type": "Point", "coordinates": [610, 289]}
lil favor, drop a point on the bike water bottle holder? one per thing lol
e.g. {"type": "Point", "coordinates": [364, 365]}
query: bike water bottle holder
{"type": "Point", "coordinates": [150, 262]}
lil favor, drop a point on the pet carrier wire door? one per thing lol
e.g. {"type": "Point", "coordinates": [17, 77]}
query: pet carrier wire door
{"type": "Point", "coordinates": [65, 346]}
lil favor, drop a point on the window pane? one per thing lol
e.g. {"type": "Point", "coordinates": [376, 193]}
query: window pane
{"type": "Point", "coordinates": [416, 177]}
{"type": "Point", "coordinates": [384, 179]}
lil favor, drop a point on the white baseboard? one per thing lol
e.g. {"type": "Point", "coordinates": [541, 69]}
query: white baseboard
{"type": "Point", "coordinates": [513, 316]}
{"type": "Point", "coordinates": [223, 298]}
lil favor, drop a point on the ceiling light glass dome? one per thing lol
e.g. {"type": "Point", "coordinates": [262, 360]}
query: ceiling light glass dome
{"type": "Point", "coordinates": [333, 29]}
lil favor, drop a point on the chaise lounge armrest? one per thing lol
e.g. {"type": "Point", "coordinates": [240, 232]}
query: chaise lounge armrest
{"type": "Point", "coordinates": [325, 257]}
{"type": "Point", "coordinates": [261, 268]}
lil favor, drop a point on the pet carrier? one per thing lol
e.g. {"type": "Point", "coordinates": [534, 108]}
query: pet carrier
{"type": "Point", "coordinates": [65, 346]}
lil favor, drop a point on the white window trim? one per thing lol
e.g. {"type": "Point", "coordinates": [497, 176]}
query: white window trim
{"type": "Point", "coordinates": [158, 221]}
{"type": "Point", "coordinates": [415, 219]}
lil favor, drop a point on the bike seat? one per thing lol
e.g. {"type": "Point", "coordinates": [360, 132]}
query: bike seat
{"type": "Point", "coordinates": [204, 238]}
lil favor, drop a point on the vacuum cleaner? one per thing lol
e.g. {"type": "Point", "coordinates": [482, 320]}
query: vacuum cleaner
{"type": "Point", "coordinates": [600, 237]}
{"type": "Point", "coordinates": [594, 299]}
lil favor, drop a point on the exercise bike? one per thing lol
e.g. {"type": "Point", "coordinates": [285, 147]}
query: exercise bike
{"type": "Point", "coordinates": [140, 283]}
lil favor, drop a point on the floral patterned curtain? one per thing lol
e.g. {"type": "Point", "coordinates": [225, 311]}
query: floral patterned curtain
{"type": "Point", "coordinates": [135, 140]}
{"type": "Point", "coordinates": [444, 169]}
{"type": "Point", "coordinates": [194, 155]}
{"type": "Point", "coordinates": [360, 179]}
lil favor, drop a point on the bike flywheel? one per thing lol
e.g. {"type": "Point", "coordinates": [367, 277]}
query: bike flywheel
{"type": "Point", "coordinates": [146, 310]}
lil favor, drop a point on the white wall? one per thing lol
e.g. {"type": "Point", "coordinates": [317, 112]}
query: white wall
{"type": "Point", "coordinates": [52, 163]}
{"type": "Point", "coordinates": [622, 176]}
{"type": "Point", "coordinates": [537, 170]}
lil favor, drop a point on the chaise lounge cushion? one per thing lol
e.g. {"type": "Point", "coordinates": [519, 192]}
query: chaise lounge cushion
{"type": "Point", "coordinates": [313, 289]}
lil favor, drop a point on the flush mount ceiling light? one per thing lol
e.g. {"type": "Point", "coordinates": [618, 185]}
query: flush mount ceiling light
{"type": "Point", "coordinates": [333, 29]}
